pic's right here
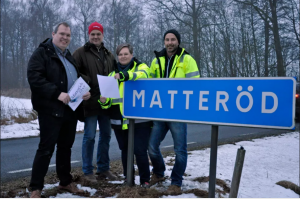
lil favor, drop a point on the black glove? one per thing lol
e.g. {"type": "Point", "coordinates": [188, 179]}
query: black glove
{"type": "Point", "coordinates": [124, 76]}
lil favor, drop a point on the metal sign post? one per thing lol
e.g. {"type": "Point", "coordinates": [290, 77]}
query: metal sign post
{"type": "Point", "coordinates": [213, 160]}
{"type": "Point", "coordinates": [130, 153]}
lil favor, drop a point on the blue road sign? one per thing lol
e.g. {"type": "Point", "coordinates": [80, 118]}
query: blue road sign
{"type": "Point", "coordinates": [251, 102]}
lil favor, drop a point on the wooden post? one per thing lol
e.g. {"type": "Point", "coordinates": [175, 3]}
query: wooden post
{"type": "Point", "coordinates": [237, 173]}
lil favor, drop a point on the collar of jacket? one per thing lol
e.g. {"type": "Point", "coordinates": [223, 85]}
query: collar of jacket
{"type": "Point", "coordinates": [48, 44]}
{"type": "Point", "coordinates": [88, 46]}
{"type": "Point", "coordinates": [163, 52]}
{"type": "Point", "coordinates": [135, 60]}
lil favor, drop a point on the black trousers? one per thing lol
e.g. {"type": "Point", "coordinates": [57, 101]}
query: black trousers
{"type": "Point", "coordinates": [141, 139]}
{"type": "Point", "coordinates": [54, 130]}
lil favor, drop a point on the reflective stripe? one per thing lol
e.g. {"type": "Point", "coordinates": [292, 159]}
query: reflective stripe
{"type": "Point", "coordinates": [156, 61]}
{"type": "Point", "coordinates": [117, 100]}
{"type": "Point", "coordinates": [136, 68]}
{"type": "Point", "coordinates": [192, 74]}
{"type": "Point", "coordinates": [119, 122]}
{"type": "Point", "coordinates": [115, 122]}
{"type": "Point", "coordinates": [143, 71]}
{"type": "Point", "coordinates": [134, 76]}
{"type": "Point", "coordinates": [152, 74]}
{"type": "Point", "coordinates": [182, 58]}
{"type": "Point", "coordinates": [110, 74]}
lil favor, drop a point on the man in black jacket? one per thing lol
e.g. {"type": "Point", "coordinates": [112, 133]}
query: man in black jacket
{"type": "Point", "coordinates": [51, 73]}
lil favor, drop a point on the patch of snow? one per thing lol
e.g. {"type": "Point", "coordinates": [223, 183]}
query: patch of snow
{"type": "Point", "coordinates": [14, 107]}
{"type": "Point", "coordinates": [185, 195]}
{"type": "Point", "coordinates": [88, 189]}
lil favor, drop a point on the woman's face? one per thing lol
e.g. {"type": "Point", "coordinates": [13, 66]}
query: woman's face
{"type": "Point", "coordinates": [124, 56]}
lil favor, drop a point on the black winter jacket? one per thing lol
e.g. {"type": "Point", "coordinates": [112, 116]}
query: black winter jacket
{"type": "Point", "coordinates": [47, 79]}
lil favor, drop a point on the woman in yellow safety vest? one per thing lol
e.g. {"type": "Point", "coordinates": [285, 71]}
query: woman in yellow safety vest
{"type": "Point", "coordinates": [129, 68]}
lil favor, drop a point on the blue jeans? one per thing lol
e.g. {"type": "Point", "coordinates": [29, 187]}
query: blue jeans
{"type": "Point", "coordinates": [179, 134]}
{"type": "Point", "coordinates": [90, 125]}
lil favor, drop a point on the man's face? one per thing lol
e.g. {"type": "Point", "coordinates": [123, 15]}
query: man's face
{"type": "Point", "coordinates": [62, 37]}
{"type": "Point", "coordinates": [171, 43]}
{"type": "Point", "coordinates": [96, 37]}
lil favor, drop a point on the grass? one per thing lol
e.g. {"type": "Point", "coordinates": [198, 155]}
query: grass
{"type": "Point", "coordinates": [24, 93]}
{"type": "Point", "coordinates": [10, 112]}
{"type": "Point", "coordinates": [20, 188]}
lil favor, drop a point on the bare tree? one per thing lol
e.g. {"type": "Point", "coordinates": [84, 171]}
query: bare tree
{"type": "Point", "coordinates": [273, 18]}
{"type": "Point", "coordinates": [85, 12]}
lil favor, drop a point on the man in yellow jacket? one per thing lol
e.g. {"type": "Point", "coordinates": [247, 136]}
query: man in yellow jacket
{"type": "Point", "coordinates": [172, 62]}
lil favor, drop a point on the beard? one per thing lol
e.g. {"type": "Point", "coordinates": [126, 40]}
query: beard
{"type": "Point", "coordinates": [173, 50]}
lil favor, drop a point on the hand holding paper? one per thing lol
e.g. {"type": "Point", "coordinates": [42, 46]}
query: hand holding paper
{"type": "Point", "coordinates": [78, 91]}
{"type": "Point", "coordinates": [86, 96]}
{"type": "Point", "coordinates": [108, 86]}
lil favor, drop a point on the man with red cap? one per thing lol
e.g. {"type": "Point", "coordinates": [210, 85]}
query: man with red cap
{"type": "Point", "coordinates": [93, 59]}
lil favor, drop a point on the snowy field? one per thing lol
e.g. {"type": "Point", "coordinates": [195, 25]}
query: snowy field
{"type": "Point", "coordinates": [267, 161]}
{"type": "Point", "coordinates": [14, 107]}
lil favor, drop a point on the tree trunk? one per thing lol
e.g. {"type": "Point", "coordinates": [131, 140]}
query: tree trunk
{"type": "Point", "coordinates": [195, 37]}
{"type": "Point", "coordinates": [255, 47]}
{"type": "Point", "coordinates": [266, 74]}
{"type": "Point", "coordinates": [278, 49]}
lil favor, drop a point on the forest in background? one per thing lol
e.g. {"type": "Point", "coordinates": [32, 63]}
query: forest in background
{"type": "Point", "coordinates": [227, 38]}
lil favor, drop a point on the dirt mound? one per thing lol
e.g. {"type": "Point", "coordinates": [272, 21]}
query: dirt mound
{"type": "Point", "coordinates": [219, 182]}
{"type": "Point", "coordinates": [289, 185]}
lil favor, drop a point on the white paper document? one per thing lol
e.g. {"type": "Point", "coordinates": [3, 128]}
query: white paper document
{"type": "Point", "coordinates": [108, 86]}
{"type": "Point", "coordinates": [79, 88]}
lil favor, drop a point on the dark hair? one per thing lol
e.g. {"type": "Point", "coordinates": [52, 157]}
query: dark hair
{"type": "Point", "coordinates": [119, 48]}
{"type": "Point", "coordinates": [62, 23]}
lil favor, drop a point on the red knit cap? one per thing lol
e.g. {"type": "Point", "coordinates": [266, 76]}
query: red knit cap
{"type": "Point", "coordinates": [95, 26]}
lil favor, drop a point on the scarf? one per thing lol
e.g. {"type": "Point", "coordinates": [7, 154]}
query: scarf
{"type": "Point", "coordinates": [122, 68]}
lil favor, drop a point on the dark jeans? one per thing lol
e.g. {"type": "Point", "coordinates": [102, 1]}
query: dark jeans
{"type": "Point", "coordinates": [88, 142]}
{"type": "Point", "coordinates": [54, 130]}
{"type": "Point", "coordinates": [141, 139]}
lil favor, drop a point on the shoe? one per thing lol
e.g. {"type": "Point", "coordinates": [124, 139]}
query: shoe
{"type": "Point", "coordinates": [145, 185]}
{"type": "Point", "coordinates": [106, 174]}
{"type": "Point", "coordinates": [36, 194]}
{"type": "Point", "coordinates": [154, 179]}
{"type": "Point", "coordinates": [174, 190]}
{"type": "Point", "coordinates": [90, 178]}
{"type": "Point", "coordinates": [72, 188]}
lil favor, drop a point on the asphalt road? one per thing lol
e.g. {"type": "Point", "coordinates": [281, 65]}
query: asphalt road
{"type": "Point", "coordinates": [17, 154]}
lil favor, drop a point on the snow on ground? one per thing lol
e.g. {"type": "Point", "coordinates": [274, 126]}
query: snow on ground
{"type": "Point", "coordinates": [267, 161]}
{"type": "Point", "coordinates": [14, 107]}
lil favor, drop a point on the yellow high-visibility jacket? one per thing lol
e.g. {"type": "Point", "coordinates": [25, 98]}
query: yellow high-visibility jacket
{"type": "Point", "coordinates": [115, 105]}
{"type": "Point", "coordinates": [184, 65]}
